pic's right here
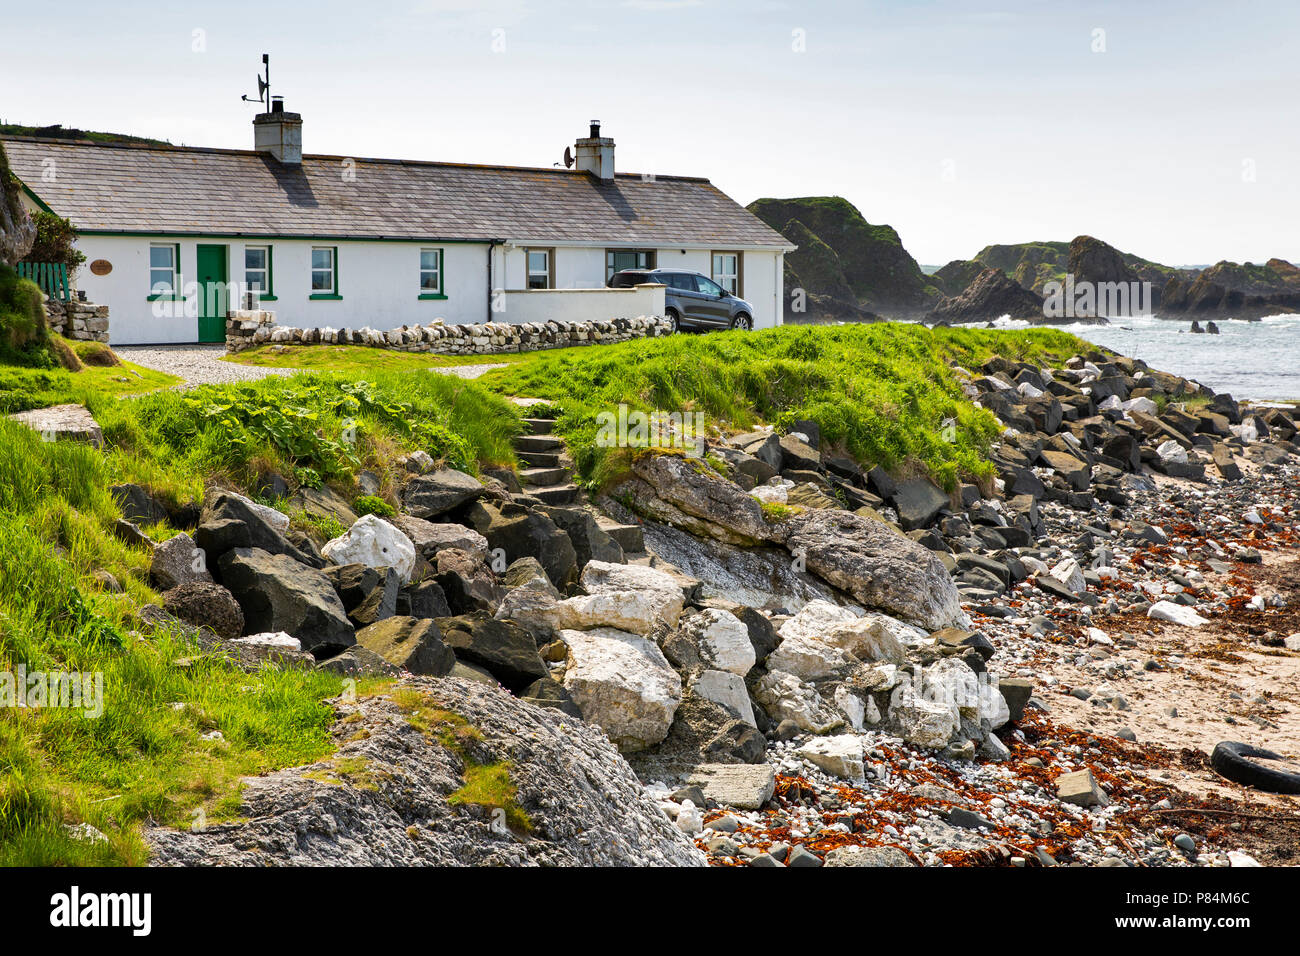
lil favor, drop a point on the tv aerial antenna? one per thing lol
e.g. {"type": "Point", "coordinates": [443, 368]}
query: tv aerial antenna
{"type": "Point", "coordinates": [263, 86]}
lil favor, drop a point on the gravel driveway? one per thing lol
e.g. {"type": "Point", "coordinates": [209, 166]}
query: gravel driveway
{"type": "Point", "coordinates": [196, 364]}
{"type": "Point", "coordinates": [202, 365]}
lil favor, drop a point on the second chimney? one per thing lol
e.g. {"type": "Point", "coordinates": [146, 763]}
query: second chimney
{"type": "Point", "coordinates": [279, 133]}
{"type": "Point", "coordinates": [595, 154]}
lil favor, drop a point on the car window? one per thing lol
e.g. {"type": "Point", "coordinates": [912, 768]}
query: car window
{"type": "Point", "coordinates": [679, 280]}
{"type": "Point", "coordinates": [707, 286]}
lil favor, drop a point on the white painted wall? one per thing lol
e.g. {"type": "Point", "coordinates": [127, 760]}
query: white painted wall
{"type": "Point", "coordinates": [583, 267]}
{"type": "Point", "coordinates": [378, 282]}
{"type": "Point", "coordinates": [379, 285]}
{"type": "Point", "coordinates": [577, 305]}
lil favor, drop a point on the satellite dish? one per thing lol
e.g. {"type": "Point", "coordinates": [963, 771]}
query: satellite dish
{"type": "Point", "coordinates": [568, 157]}
{"type": "Point", "coordinates": [261, 87]}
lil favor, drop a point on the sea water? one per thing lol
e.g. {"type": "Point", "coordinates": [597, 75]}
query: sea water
{"type": "Point", "coordinates": [1249, 360]}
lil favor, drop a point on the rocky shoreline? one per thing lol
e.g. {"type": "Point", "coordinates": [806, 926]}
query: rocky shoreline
{"type": "Point", "coordinates": [804, 663]}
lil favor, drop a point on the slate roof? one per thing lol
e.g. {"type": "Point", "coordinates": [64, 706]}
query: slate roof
{"type": "Point", "coordinates": [177, 190]}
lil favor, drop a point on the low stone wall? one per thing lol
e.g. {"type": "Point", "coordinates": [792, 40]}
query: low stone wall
{"type": "Point", "coordinates": [245, 329]}
{"type": "Point", "coordinates": [83, 321]}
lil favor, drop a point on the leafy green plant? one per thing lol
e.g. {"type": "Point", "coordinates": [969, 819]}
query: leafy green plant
{"type": "Point", "coordinates": [55, 240]}
{"type": "Point", "coordinates": [373, 505]}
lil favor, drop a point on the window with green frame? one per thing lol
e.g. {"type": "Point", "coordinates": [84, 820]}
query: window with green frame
{"type": "Point", "coordinates": [431, 274]}
{"type": "Point", "coordinates": [164, 270]}
{"type": "Point", "coordinates": [325, 272]}
{"type": "Point", "coordinates": [258, 272]}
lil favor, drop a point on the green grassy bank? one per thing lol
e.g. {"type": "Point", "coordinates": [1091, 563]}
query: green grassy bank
{"type": "Point", "coordinates": [881, 393]}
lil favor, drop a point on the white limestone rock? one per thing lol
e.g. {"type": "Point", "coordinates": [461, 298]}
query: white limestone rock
{"type": "Point", "coordinates": [785, 696]}
{"type": "Point", "coordinates": [809, 659]}
{"type": "Point", "coordinates": [622, 683]}
{"type": "Point", "coordinates": [728, 691]}
{"type": "Point", "coordinates": [840, 756]}
{"type": "Point", "coordinates": [374, 542]}
{"type": "Point", "coordinates": [852, 707]}
{"type": "Point", "coordinates": [1070, 574]}
{"type": "Point", "coordinates": [633, 611]}
{"type": "Point", "coordinates": [278, 640]}
{"type": "Point", "coordinates": [690, 819]}
{"type": "Point", "coordinates": [815, 618]}
{"type": "Point", "coordinates": [722, 640]}
{"type": "Point", "coordinates": [923, 722]}
{"type": "Point", "coordinates": [1175, 614]}
{"type": "Point", "coordinates": [1172, 451]}
{"type": "Point", "coordinates": [1140, 404]}
{"type": "Point", "coordinates": [602, 577]}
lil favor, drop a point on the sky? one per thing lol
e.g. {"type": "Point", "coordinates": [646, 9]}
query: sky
{"type": "Point", "coordinates": [1167, 129]}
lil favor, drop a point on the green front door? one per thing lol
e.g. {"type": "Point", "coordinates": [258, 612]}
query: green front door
{"type": "Point", "coordinates": [213, 293]}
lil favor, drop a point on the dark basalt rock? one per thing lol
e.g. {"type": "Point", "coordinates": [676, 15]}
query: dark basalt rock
{"type": "Point", "coordinates": [278, 593]}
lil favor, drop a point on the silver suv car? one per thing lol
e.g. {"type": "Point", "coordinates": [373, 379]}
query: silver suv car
{"type": "Point", "coordinates": [691, 301]}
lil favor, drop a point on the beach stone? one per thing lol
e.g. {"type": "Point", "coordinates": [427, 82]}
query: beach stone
{"type": "Point", "coordinates": [739, 786]}
{"type": "Point", "coordinates": [1176, 614]}
{"type": "Point", "coordinates": [323, 502]}
{"type": "Point", "coordinates": [728, 691]}
{"type": "Point", "coordinates": [721, 639]}
{"type": "Point", "coordinates": [918, 502]}
{"type": "Point", "coordinates": [229, 521]}
{"type": "Point", "coordinates": [278, 593]}
{"type": "Point", "coordinates": [878, 566]}
{"type": "Point", "coordinates": [1016, 691]}
{"type": "Point", "coordinates": [502, 648]}
{"type": "Point", "coordinates": [867, 856]}
{"type": "Point", "coordinates": [205, 604]}
{"type": "Point", "coordinates": [673, 490]}
{"type": "Point", "coordinates": [785, 697]}
{"type": "Point", "coordinates": [840, 756]}
{"type": "Point", "coordinates": [1081, 789]}
{"type": "Point", "coordinates": [429, 538]}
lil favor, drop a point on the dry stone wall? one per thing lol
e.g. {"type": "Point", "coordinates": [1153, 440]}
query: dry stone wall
{"type": "Point", "coordinates": [83, 321]}
{"type": "Point", "coordinates": [248, 328]}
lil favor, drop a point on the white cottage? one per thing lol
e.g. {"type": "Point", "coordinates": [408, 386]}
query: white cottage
{"type": "Point", "coordinates": [173, 235]}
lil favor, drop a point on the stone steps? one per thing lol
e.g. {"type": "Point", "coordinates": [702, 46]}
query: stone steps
{"type": "Point", "coordinates": [539, 443]}
{"type": "Point", "coordinates": [557, 494]}
{"type": "Point", "coordinates": [545, 477]}
{"type": "Point", "coordinates": [540, 426]}
{"type": "Point", "coordinates": [540, 459]}
{"type": "Point", "coordinates": [549, 473]}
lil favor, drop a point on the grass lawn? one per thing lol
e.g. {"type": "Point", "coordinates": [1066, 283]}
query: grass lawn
{"type": "Point", "coordinates": [22, 388]}
{"type": "Point", "coordinates": [359, 358]}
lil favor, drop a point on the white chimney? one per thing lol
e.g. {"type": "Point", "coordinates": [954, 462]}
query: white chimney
{"type": "Point", "coordinates": [279, 133]}
{"type": "Point", "coordinates": [596, 154]}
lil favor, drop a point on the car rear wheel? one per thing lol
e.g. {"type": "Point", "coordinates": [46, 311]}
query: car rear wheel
{"type": "Point", "coordinates": [674, 321]}
{"type": "Point", "coordinates": [742, 322]}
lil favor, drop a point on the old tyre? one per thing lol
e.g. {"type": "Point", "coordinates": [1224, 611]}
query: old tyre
{"type": "Point", "coordinates": [1247, 765]}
